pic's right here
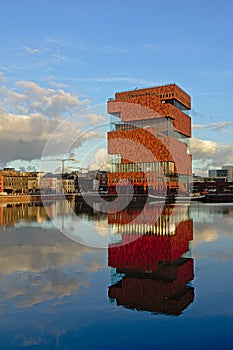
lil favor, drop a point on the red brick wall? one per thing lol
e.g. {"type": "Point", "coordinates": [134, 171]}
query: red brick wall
{"type": "Point", "coordinates": [148, 108]}
{"type": "Point", "coordinates": [172, 89]}
{"type": "Point", "coordinates": [140, 145]}
{"type": "Point", "coordinates": [178, 150]}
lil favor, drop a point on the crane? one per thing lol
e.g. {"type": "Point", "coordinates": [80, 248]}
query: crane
{"type": "Point", "coordinates": [63, 163]}
{"type": "Point", "coordinates": [63, 160]}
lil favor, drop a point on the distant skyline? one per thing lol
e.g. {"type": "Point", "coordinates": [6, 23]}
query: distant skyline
{"type": "Point", "coordinates": [58, 57]}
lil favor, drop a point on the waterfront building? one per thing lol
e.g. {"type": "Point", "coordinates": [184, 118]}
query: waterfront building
{"type": "Point", "coordinates": [48, 184]}
{"type": "Point", "coordinates": [66, 185]}
{"type": "Point", "coordinates": [22, 182]}
{"type": "Point", "coordinates": [208, 185]}
{"type": "Point", "coordinates": [218, 174]}
{"type": "Point", "coordinates": [102, 178]}
{"type": "Point", "coordinates": [86, 181]}
{"type": "Point", "coordinates": [229, 169]}
{"type": "Point", "coordinates": [226, 173]}
{"type": "Point", "coordinates": [149, 140]}
{"type": "Point", "coordinates": [13, 181]}
{"type": "Point", "coordinates": [92, 180]}
{"type": "Point", "coordinates": [33, 181]}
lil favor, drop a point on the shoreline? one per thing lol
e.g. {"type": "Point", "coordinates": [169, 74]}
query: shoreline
{"type": "Point", "coordinates": [219, 198]}
{"type": "Point", "coordinates": [27, 198]}
{"type": "Point", "coordinates": [209, 198]}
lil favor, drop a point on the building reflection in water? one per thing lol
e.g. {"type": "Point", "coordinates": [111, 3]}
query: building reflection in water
{"type": "Point", "coordinates": [13, 213]}
{"type": "Point", "coordinates": [150, 257]}
{"type": "Point", "coordinates": [149, 252]}
{"type": "Point", "coordinates": [38, 263]}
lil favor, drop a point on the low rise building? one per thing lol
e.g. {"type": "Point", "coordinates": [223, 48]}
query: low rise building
{"type": "Point", "coordinates": [208, 185]}
{"type": "Point", "coordinates": [13, 181]}
{"type": "Point", "coordinates": [1, 183]}
{"type": "Point", "coordinates": [49, 184]}
{"type": "Point", "coordinates": [229, 169]}
{"type": "Point", "coordinates": [86, 181]}
{"type": "Point", "coordinates": [102, 178]}
{"type": "Point", "coordinates": [66, 186]}
{"type": "Point", "coordinates": [34, 181]}
{"type": "Point", "coordinates": [218, 174]}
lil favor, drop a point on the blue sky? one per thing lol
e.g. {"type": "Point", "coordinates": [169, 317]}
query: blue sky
{"type": "Point", "coordinates": [80, 52]}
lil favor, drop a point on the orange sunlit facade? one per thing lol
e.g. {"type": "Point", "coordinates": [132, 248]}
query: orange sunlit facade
{"type": "Point", "coordinates": [1, 183]}
{"type": "Point", "coordinates": [149, 140]}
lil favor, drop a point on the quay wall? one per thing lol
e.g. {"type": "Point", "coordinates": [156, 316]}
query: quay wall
{"type": "Point", "coordinates": [209, 198]}
{"type": "Point", "coordinates": [34, 198]}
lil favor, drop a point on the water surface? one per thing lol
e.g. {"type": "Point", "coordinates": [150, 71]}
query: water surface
{"type": "Point", "coordinates": [151, 277]}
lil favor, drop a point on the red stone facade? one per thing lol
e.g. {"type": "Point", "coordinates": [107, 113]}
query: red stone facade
{"type": "Point", "coordinates": [1, 183]}
{"type": "Point", "coordinates": [142, 146]}
{"type": "Point", "coordinates": [151, 108]}
{"type": "Point", "coordinates": [163, 92]}
{"type": "Point", "coordinates": [163, 138]}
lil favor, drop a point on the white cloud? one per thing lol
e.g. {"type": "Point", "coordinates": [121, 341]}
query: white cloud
{"type": "Point", "coordinates": [29, 97]}
{"type": "Point", "coordinates": [51, 101]}
{"type": "Point", "coordinates": [2, 78]}
{"type": "Point", "coordinates": [58, 85]}
{"type": "Point", "coordinates": [224, 126]}
{"type": "Point", "coordinates": [101, 160]}
{"type": "Point", "coordinates": [200, 148]}
{"type": "Point", "coordinates": [31, 50]}
{"type": "Point", "coordinates": [58, 57]}
{"type": "Point", "coordinates": [206, 234]}
{"type": "Point", "coordinates": [95, 118]}
{"type": "Point", "coordinates": [199, 126]}
{"type": "Point", "coordinates": [104, 80]}
{"type": "Point", "coordinates": [209, 154]}
{"type": "Point", "coordinates": [31, 116]}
